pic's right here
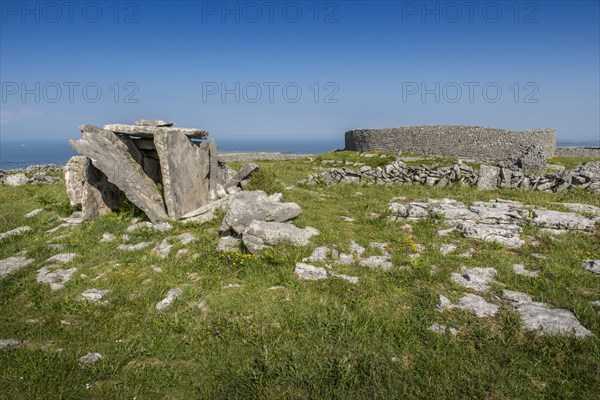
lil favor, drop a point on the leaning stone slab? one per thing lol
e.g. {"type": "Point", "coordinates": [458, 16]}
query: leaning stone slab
{"type": "Point", "coordinates": [124, 172]}
{"type": "Point", "coordinates": [247, 207]}
{"type": "Point", "coordinates": [12, 264]}
{"type": "Point", "coordinates": [185, 169]}
{"type": "Point", "coordinates": [261, 234]}
{"type": "Point", "coordinates": [150, 131]}
{"type": "Point", "coordinates": [15, 232]}
{"type": "Point", "coordinates": [592, 266]}
{"type": "Point", "coordinates": [208, 211]}
{"type": "Point", "coordinates": [245, 173]}
{"type": "Point", "coordinates": [542, 318]}
{"type": "Point", "coordinates": [154, 122]}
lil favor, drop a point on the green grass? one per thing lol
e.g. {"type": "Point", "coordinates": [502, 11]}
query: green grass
{"type": "Point", "coordinates": [570, 162]}
{"type": "Point", "coordinates": [326, 339]}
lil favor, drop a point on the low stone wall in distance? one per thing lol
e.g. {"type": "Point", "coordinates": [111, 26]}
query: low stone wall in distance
{"type": "Point", "coordinates": [452, 141]}
{"type": "Point", "coordinates": [578, 151]}
{"type": "Point", "coordinates": [585, 176]}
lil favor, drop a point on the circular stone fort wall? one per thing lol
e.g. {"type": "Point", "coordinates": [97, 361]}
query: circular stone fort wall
{"type": "Point", "coordinates": [452, 141]}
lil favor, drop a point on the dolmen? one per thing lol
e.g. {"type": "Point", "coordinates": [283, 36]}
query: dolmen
{"type": "Point", "coordinates": [167, 172]}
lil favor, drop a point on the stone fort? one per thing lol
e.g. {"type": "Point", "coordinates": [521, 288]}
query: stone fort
{"type": "Point", "coordinates": [452, 141]}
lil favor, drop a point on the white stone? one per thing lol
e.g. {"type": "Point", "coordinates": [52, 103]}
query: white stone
{"type": "Point", "coordinates": [520, 269]}
{"type": "Point", "coordinates": [62, 258]}
{"type": "Point", "coordinates": [56, 278]}
{"type": "Point", "coordinates": [229, 244]}
{"type": "Point", "coordinates": [16, 180]}
{"type": "Point", "coordinates": [477, 279]}
{"type": "Point", "coordinates": [169, 299]}
{"type": "Point", "coordinates": [107, 237]}
{"type": "Point", "coordinates": [90, 358]}
{"type": "Point", "coordinates": [15, 232]}
{"type": "Point", "coordinates": [33, 213]}
{"type": "Point", "coordinates": [447, 248]}
{"type": "Point", "coordinates": [470, 302]}
{"type": "Point", "coordinates": [94, 295]}
{"type": "Point", "coordinates": [592, 266]}
{"type": "Point", "coordinates": [163, 248]}
{"type": "Point", "coordinates": [310, 272]}
{"type": "Point", "coordinates": [12, 264]}
{"type": "Point", "coordinates": [134, 247]}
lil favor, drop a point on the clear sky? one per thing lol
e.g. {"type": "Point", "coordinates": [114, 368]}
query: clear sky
{"type": "Point", "coordinates": [299, 70]}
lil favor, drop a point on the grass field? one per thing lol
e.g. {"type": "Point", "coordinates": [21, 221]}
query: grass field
{"type": "Point", "coordinates": [323, 340]}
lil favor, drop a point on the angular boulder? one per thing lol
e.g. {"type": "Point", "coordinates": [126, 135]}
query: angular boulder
{"type": "Point", "coordinates": [261, 234]}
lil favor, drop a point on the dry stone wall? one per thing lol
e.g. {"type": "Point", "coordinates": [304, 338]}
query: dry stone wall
{"type": "Point", "coordinates": [452, 141]}
{"type": "Point", "coordinates": [578, 151]}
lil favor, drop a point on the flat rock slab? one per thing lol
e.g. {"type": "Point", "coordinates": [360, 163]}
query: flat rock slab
{"type": "Point", "coordinates": [124, 172]}
{"type": "Point", "coordinates": [11, 343]}
{"type": "Point", "coordinates": [185, 170]}
{"type": "Point", "coordinates": [478, 279]}
{"type": "Point", "coordinates": [559, 220]}
{"type": "Point", "coordinates": [470, 302]}
{"type": "Point", "coordinates": [151, 131]}
{"type": "Point", "coordinates": [134, 247]}
{"type": "Point", "coordinates": [154, 122]}
{"type": "Point", "coordinates": [163, 248]}
{"type": "Point", "coordinates": [186, 238]}
{"type": "Point", "coordinates": [261, 234]}
{"type": "Point", "coordinates": [107, 237]}
{"type": "Point", "coordinates": [582, 208]}
{"type": "Point", "coordinates": [90, 358]}
{"type": "Point", "coordinates": [12, 264]}
{"type": "Point", "coordinates": [21, 230]}
{"type": "Point", "coordinates": [542, 318]}
{"type": "Point", "coordinates": [447, 248]}
{"type": "Point", "coordinates": [310, 272]}
{"type": "Point", "coordinates": [381, 262]}
{"type": "Point", "coordinates": [33, 213]}
{"type": "Point", "coordinates": [506, 235]}
{"type": "Point", "coordinates": [520, 269]}
{"type": "Point", "coordinates": [62, 258]}
{"type": "Point", "coordinates": [592, 266]}
{"type": "Point", "coordinates": [94, 295]}
{"type": "Point", "coordinates": [169, 299]}
{"type": "Point", "coordinates": [247, 207]}
{"type": "Point", "coordinates": [56, 278]}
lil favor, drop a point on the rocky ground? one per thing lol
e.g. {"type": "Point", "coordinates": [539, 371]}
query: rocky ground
{"type": "Point", "coordinates": [289, 290]}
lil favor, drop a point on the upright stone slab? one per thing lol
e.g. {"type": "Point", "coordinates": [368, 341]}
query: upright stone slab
{"type": "Point", "coordinates": [213, 169]}
{"type": "Point", "coordinates": [123, 171]}
{"type": "Point", "coordinates": [185, 169]}
{"type": "Point", "coordinates": [488, 177]}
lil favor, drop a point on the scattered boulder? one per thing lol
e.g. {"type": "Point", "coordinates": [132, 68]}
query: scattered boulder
{"type": "Point", "coordinates": [310, 272]}
{"type": "Point", "coordinates": [229, 244]}
{"type": "Point", "coordinates": [163, 249]}
{"type": "Point", "coordinates": [542, 318]}
{"type": "Point", "coordinates": [260, 234]}
{"type": "Point", "coordinates": [165, 303]}
{"type": "Point", "coordinates": [447, 248]}
{"type": "Point", "coordinates": [134, 247]}
{"type": "Point", "coordinates": [107, 237]}
{"type": "Point", "coordinates": [16, 179]}
{"type": "Point", "coordinates": [247, 207]}
{"type": "Point", "coordinates": [506, 235]}
{"type": "Point", "coordinates": [562, 221]}
{"type": "Point", "coordinates": [33, 213]}
{"type": "Point", "coordinates": [62, 258]}
{"type": "Point", "coordinates": [89, 359]}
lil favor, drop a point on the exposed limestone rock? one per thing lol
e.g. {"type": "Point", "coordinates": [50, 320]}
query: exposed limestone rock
{"type": "Point", "coordinates": [562, 221]}
{"type": "Point", "coordinates": [15, 232]}
{"type": "Point", "coordinates": [447, 248]}
{"type": "Point", "coordinates": [582, 208]}
{"type": "Point", "coordinates": [12, 264]}
{"type": "Point", "coordinates": [134, 247]}
{"type": "Point", "coordinates": [89, 359]}
{"type": "Point", "coordinates": [163, 249]}
{"type": "Point", "coordinates": [470, 302]}
{"type": "Point", "coordinates": [62, 258]}
{"type": "Point", "coordinates": [107, 237]}
{"type": "Point", "coordinates": [507, 235]}
{"type": "Point", "coordinates": [33, 213]}
{"type": "Point", "coordinates": [319, 254]}
{"type": "Point", "coordinates": [592, 266]}
{"type": "Point", "coordinates": [56, 278]}
{"type": "Point", "coordinates": [229, 244]}
{"type": "Point", "coordinates": [260, 234]}
{"type": "Point", "coordinates": [382, 262]}
{"type": "Point", "coordinates": [154, 122]}
{"type": "Point", "coordinates": [477, 279]}
{"type": "Point", "coordinates": [10, 343]}
{"type": "Point", "coordinates": [351, 279]}
{"type": "Point", "coordinates": [208, 211]}
{"type": "Point", "coordinates": [94, 295]}
{"type": "Point", "coordinates": [186, 238]}
{"type": "Point", "coordinates": [441, 328]}
{"type": "Point", "coordinates": [520, 269]}
{"type": "Point", "coordinates": [16, 179]}
{"type": "Point", "coordinates": [310, 272]}
{"type": "Point", "coordinates": [488, 177]}
{"type": "Point", "coordinates": [247, 207]}
{"type": "Point", "coordinates": [169, 299]}
{"type": "Point", "coordinates": [542, 318]}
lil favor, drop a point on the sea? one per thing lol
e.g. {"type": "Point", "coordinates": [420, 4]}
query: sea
{"type": "Point", "coordinates": [17, 154]}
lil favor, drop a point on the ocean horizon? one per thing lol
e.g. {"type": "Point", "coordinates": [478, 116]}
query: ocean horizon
{"type": "Point", "coordinates": [18, 154]}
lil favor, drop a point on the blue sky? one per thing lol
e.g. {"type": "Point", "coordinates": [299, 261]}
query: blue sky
{"type": "Point", "coordinates": [372, 62]}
